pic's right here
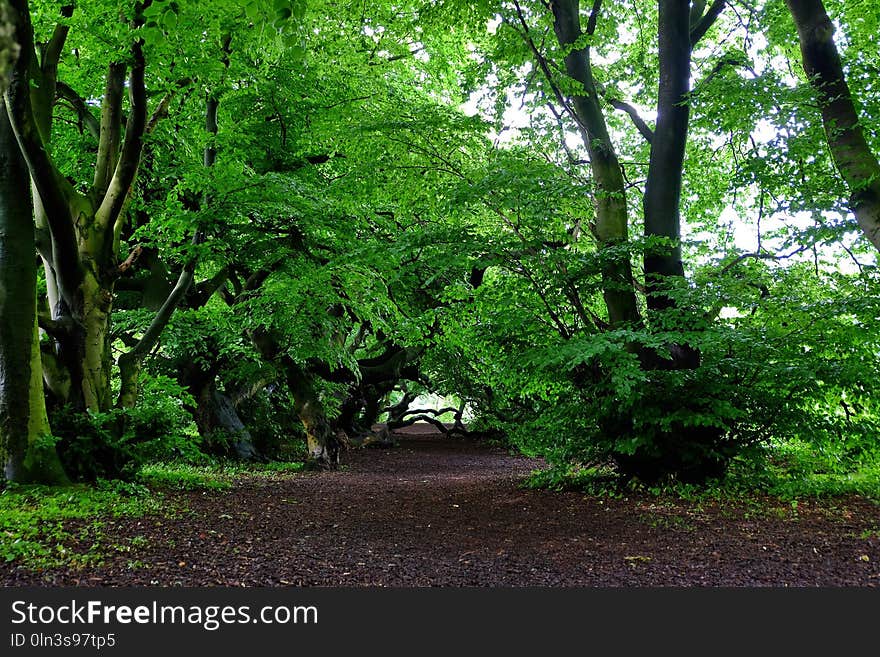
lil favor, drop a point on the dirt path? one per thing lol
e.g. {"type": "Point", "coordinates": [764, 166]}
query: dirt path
{"type": "Point", "coordinates": [447, 513]}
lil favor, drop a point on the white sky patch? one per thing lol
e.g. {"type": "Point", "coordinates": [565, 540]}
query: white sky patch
{"type": "Point", "coordinates": [514, 119]}
{"type": "Point", "coordinates": [573, 140]}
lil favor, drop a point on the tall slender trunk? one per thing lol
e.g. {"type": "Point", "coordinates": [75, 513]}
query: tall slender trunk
{"type": "Point", "coordinates": [662, 197]}
{"type": "Point", "coordinates": [666, 166]}
{"type": "Point", "coordinates": [611, 214]}
{"type": "Point", "coordinates": [857, 164]}
{"type": "Point", "coordinates": [23, 419]}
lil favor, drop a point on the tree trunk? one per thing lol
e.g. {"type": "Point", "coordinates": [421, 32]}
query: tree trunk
{"type": "Point", "coordinates": [611, 215]}
{"type": "Point", "coordinates": [8, 45]}
{"type": "Point", "coordinates": [663, 187]}
{"type": "Point", "coordinates": [96, 357]}
{"type": "Point", "coordinates": [80, 232]}
{"type": "Point", "coordinates": [323, 443]}
{"type": "Point", "coordinates": [662, 198]}
{"type": "Point", "coordinates": [215, 415]}
{"type": "Point", "coordinates": [23, 420]}
{"type": "Point", "coordinates": [857, 164]}
{"type": "Point", "coordinates": [224, 417]}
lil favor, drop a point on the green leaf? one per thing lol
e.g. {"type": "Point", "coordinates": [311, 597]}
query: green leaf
{"type": "Point", "coordinates": [169, 20]}
{"type": "Point", "coordinates": [299, 10]}
{"type": "Point", "coordinates": [252, 11]}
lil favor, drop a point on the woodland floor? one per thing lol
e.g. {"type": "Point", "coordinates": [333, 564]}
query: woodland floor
{"type": "Point", "coordinates": [436, 512]}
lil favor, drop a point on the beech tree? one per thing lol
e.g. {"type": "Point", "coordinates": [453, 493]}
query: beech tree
{"type": "Point", "coordinates": [608, 231]}
{"type": "Point", "coordinates": [853, 157]}
{"type": "Point", "coordinates": [25, 446]}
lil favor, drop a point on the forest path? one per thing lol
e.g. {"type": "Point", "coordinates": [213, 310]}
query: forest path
{"type": "Point", "coordinates": [437, 512]}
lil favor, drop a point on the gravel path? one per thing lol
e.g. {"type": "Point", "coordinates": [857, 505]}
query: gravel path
{"type": "Point", "coordinates": [436, 512]}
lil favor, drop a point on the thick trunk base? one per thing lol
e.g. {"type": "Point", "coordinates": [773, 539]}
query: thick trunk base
{"type": "Point", "coordinates": [39, 465]}
{"type": "Point", "coordinates": [690, 455]}
{"type": "Point", "coordinates": [325, 446]}
{"type": "Point", "coordinates": [221, 427]}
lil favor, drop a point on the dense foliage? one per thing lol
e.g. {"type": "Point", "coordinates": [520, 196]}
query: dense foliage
{"type": "Point", "coordinates": [266, 227]}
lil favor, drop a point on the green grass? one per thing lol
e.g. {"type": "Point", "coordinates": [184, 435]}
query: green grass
{"type": "Point", "coordinates": [42, 527]}
{"type": "Point", "coordinates": [183, 476]}
{"type": "Point", "coordinates": [598, 481]}
{"type": "Point", "coordinates": [788, 477]}
{"type": "Point", "coordinates": [215, 476]}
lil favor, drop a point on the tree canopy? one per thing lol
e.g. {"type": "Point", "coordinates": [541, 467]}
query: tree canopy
{"type": "Point", "coordinates": [631, 236]}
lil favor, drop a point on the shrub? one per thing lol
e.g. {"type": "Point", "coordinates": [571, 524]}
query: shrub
{"type": "Point", "coordinates": [114, 444]}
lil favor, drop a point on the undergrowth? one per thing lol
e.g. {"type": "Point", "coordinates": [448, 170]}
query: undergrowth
{"type": "Point", "coordinates": [220, 475]}
{"type": "Point", "coordinates": [45, 527]}
{"type": "Point", "coordinates": [792, 472]}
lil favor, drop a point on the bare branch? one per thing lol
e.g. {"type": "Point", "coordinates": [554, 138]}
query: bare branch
{"type": "Point", "coordinates": [83, 113]}
{"type": "Point", "coordinates": [637, 120]}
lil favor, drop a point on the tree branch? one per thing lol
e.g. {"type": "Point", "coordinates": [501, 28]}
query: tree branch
{"type": "Point", "coordinates": [257, 278]}
{"type": "Point", "coordinates": [400, 424]}
{"type": "Point", "coordinates": [163, 315]}
{"type": "Point", "coordinates": [55, 46]}
{"type": "Point", "coordinates": [204, 290]}
{"type": "Point", "coordinates": [213, 102]}
{"type": "Point", "coordinates": [430, 411]}
{"type": "Point", "coordinates": [594, 17]}
{"type": "Point", "coordinates": [55, 192]}
{"type": "Point", "coordinates": [57, 328]}
{"type": "Point", "coordinates": [111, 128]}
{"type": "Point", "coordinates": [129, 262]}
{"type": "Point", "coordinates": [129, 160]}
{"type": "Point", "coordinates": [161, 110]}
{"type": "Point", "coordinates": [640, 124]}
{"type": "Point", "coordinates": [698, 31]}
{"type": "Point", "coordinates": [83, 113]}
{"type": "Point", "coordinates": [130, 362]}
{"type": "Point", "coordinates": [548, 74]}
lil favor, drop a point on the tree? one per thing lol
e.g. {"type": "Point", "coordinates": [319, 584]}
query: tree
{"type": "Point", "coordinates": [612, 224]}
{"type": "Point", "coordinates": [26, 449]}
{"type": "Point", "coordinates": [80, 249]}
{"type": "Point", "coordinates": [855, 161]}
{"type": "Point", "coordinates": [338, 237]}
